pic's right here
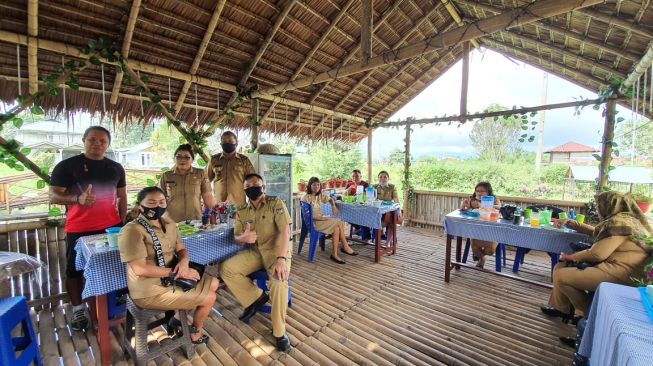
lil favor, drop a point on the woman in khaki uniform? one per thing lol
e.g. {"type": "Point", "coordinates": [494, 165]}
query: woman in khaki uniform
{"type": "Point", "coordinates": [326, 224]}
{"type": "Point", "coordinates": [480, 248]}
{"type": "Point", "coordinates": [387, 192]}
{"type": "Point", "coordinates": [144, 275]}
{"type": "Point", "coordinates": [186, 187]}
{"type": "Point", "coordinates": [616, 252]}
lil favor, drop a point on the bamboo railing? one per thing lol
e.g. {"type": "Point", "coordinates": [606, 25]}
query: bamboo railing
{"type": "Point", "coordinates": [430, 207]}
{"type": "Point", "coordinates": [32, 235]}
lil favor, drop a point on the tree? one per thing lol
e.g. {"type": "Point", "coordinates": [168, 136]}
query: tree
{"type": "Point", "coordinates": [496, 138]}
{"type": "Point", "coordinates": [333, 160]}
{"type": "Point", "coordinates": [643, 138]}
{"type": "Point", "coordinates": [165, 140]}
{"type": "Point", "coordinates": [396, 155]}
{"type": "Point", "coordinates": [128, 135]}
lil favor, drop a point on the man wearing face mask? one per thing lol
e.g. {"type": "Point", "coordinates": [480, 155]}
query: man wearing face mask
{"type": "Point", "coordinates": [263, 224]}
{"type": "Point", "coordinates": [227, 171]}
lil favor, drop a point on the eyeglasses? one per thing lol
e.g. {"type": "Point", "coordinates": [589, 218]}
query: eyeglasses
{"type": "Point", "coordinates": [179, 157]}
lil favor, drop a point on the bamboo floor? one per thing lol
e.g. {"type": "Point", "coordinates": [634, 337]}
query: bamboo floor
{"type": "Point", "coordinates": [397, 312]}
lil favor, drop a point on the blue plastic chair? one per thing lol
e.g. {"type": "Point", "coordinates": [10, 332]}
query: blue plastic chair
{"type": "Point", "coordinates": [117, 303]}
{"type": "Point", "coordinates": [309, 229]}
{"type": "Point", "coordinates": [13, 313]}
{"type": "Point", "coordinates": [500, 255]}
{"type": "Point", "coordinates": [261, 278]}
{"type": "Point", "coordinates": [521, 252]}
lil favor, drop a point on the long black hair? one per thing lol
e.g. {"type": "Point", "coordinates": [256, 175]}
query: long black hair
{"type": "Point", "coordinates": [486, 185]}
{"type": "Point", "coordinates": [310, 182]}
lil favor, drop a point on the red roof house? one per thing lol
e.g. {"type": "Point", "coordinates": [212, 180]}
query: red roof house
{"type": "Point", "coordinates": [572, 152]}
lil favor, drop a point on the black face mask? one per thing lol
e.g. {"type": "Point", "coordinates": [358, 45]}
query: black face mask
{"type": "Point", "coordinates": [253, 193]}
{"type": "Point", "coordinates": [228, 148]}
{"type": "Point", "coordinates": [153, 213]}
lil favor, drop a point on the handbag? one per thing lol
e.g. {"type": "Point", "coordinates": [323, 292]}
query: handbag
{"type": "Point", "coordinates": [185, 284]}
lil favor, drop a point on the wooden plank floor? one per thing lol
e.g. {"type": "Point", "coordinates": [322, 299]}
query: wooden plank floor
{"type": "Point", "coordinates": [397, 312]}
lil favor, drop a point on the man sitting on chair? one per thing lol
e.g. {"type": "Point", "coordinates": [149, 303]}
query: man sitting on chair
{"type": "Point", "coordinates": [263, 224]}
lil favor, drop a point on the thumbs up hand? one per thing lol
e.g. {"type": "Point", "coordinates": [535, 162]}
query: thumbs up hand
{"type": "Point", "coordinates": [249, 236]}
{"type": "Point", "coordinates": [87, 198]}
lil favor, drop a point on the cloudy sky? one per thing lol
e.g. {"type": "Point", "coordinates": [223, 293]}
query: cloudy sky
{"type": "Point", "coordinates": [493, 79]}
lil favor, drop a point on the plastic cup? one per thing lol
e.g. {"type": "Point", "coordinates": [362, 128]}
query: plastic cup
{"type": "Point", "coordinates": [527, 213]}
{"type": "Point", "coordinates": [494, 216]}
{"type": "Point", "coordinates": [112, 236]}
{"type": "Point", "coordinates": [535, 222]}
{"type": "Point", "coordinates": [562, 216]}
{"type": "Point", "coordinates": [580, 218]}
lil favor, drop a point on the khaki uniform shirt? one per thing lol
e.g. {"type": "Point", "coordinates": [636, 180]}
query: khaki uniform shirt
{"type": "Point", "coordinates": [228, 176]}
{"type": "Point", "coordinates": [135, 243]}
{"type": "Point", "coordinates": [268, 220]}
{"type": "Point", "coordinates": [388, 193]}
{"type": "Point", "coordinates": [184, 193]}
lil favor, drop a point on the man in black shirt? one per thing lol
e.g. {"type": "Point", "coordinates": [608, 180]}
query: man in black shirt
{"type": "Point", "coordinates": [94, 191]}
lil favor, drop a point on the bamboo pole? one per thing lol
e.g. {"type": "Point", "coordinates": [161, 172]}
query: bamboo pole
{"type": "Point", "coordinates": [73, 51]}
{"type": "Point", "coordinates": [606, 144]}
{"type": "Point", "coordinates": [638, 70]}
{"type": "Point", "coordinates": [579, 103]}
{"type": "Point", "coordinates": [407, 185]}
{"type": "Point", "coordinates": [559, 30]}
{"type": "Point", "coordinates": [369, 155]}
{"type": "Point", "coordinates": [208, 34]}
{"type": "Point", "coordinates": [619, 21]}
{"type": "Point", "coordinates": [520, 16]}
{"type": "Point", "coordinates": [126, 44]}
{"type": "Point", "coordinates": [254, 125]}
{"type": "Point", "coordinates": [32, 48]}
{"type": "Point", "coordinates": [465, 80]}
{"type": "Point", "coordinates": [366, 31]}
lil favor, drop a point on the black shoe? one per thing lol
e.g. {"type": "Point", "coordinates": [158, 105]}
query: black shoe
{"type": "Point", "coordinates": [79, 321]}
{"type": "Point", "coordinates": [555, 312]}
{"type": "Point", "coordinates": [568, 341]}
{"type": "Point", "coordinates": [283, 343]}
{"type": "Point", "coordinates": [352, 252]}
{"type": "Point", "coordinates": [251, 310]}
{"type": "Point", "coordinates": [339, 261]}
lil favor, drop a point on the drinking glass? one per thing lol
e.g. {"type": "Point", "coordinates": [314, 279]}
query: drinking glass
{"type": "Point", "coordinates": [535, 222]}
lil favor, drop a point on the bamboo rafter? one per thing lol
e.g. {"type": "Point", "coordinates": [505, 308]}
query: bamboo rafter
{"type": "Point", "coordinates": [126, 44]}
{"type": "Point", "coordinates": [32, 48]}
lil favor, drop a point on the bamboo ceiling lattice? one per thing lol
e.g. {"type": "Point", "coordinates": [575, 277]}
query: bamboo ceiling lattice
{"type": "Point", "coordinates": [213, 46]}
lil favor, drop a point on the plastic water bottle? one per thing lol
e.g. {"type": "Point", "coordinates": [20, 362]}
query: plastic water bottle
{"type": "Point", "coordinates": [571, 214]}
{"type": "Point", "coordinates": [517, 219]}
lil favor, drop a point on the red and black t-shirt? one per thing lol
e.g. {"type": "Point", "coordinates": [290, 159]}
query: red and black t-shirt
{"type": "Point", "coordinates": [106, 176]}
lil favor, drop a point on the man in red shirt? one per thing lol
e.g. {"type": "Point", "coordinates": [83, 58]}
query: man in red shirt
{"type": "Point", "coordinates": [94, 191]}
{"type": "Point", "coordinates": [355, 181]}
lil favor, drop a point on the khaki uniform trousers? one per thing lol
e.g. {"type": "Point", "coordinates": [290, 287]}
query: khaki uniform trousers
{"type": "Point", "coordinates": [481, 248]}
{"type": "Point", "coordinates": [234, 272]}
{"type": "Point", "coordinates": [570, 284]}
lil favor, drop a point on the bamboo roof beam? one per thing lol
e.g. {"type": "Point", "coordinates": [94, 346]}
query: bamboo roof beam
{"type": "Point", "coordinates": [639, 69]}
{"type": "Point", "coordinates": [468, 117]}
{"type": "Point", "coordinates": [352, 53]}
{"type": "Point", "coordinates": [73, 51]}
{"type": "Point", "coordinates": [380, 89]}
{"type": "Point", "coordinates": [32, 47]}
{"type": "Point", "coordinates": [618, 21]}
{"type": "Point", "coordinates": [519, 16]}
{"type": "Point", "coordinates": [540, 60]}
{"type": "Point", "coordinates": [403, 39]}
{"type": "Point", "coordinates": [126, 44]}
{"type": "Point", "coordinates": [208, 34]}
{"type": "Point", "coordinates": [582, 38]}
{"type": "Point", "coordinates": [313, 50]}
{"type": "Point", "coordinates": [366, 31]}
{"type": "Point", "coordinates": [564, 52]}
{"type": "Point", "coordinates": [451, 8]}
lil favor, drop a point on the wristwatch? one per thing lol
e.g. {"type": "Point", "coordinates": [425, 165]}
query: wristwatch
{"type": "Point", "coordinates": [282, 257]}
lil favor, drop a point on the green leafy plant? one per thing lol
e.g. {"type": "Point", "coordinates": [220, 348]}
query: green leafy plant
{"type": "Point", "coordinates": [647, 279]}
{"type": "Point", "coordinates": [642, 198]}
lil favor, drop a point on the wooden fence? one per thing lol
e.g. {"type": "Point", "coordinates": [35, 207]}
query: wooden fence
{"type": "Point", "coordinates": [431, 207]}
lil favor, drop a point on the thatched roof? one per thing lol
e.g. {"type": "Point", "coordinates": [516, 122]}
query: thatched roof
{"type": "Point", "coordinates": [268, 42]}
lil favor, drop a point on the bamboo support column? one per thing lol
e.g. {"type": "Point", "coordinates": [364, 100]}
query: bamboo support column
{"type": "Point", "coordinates": [606, 150]}
{"type": "Point", "coordinates": [254, 125]}
{"type": "Point", "coordinates": [366, 31]}
{"type": "Point", "coordinates": [465, 81]}
{"type": "Point", "coordinates": [369, 155]}
{"type": "Point", "coordinates": [407, 185]}
{"type": "Point", "coordinates": [32, 45]}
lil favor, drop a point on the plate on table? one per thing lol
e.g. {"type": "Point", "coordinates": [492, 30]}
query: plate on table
{"type": "Point", "coordinates": [471, 213]}
{"type": "Point", "coordinates": [187, 230]}
{"type": "Point", "coordinates": [99, 241]}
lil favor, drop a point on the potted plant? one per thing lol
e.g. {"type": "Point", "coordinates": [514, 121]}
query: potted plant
{"type": "Point", "coordinates": [648, 265]}
{"type": "Point", "coordinates": [643, 201]}
{"type": "Point", "coordinates": [301, 186]}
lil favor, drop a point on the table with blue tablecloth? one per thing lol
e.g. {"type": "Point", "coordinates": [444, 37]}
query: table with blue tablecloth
{"type": "Point", "coordinates": [618, 330]}
{"type": "Point", "coordinates": [369, 215]}
{"type": "Point", "coordinates": [548, 239]}
{"type": "Point", "coordinates": [104, 272]}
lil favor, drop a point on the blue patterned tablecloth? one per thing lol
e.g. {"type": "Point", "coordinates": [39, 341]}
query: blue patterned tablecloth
{"type": "Point", "coordinates": [104, 272]}
{"type": "Point", "coordinates": [362, 215]}
{"type": "Point", "coordinates": [618, 331]}
{"type": "Point", "coordinates": [504, 231]}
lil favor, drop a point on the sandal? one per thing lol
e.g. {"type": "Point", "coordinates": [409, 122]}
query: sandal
{"type": "Point", "coordinates": [352, 252]}
{"type": "Point", "coordinates": [204, 339]}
